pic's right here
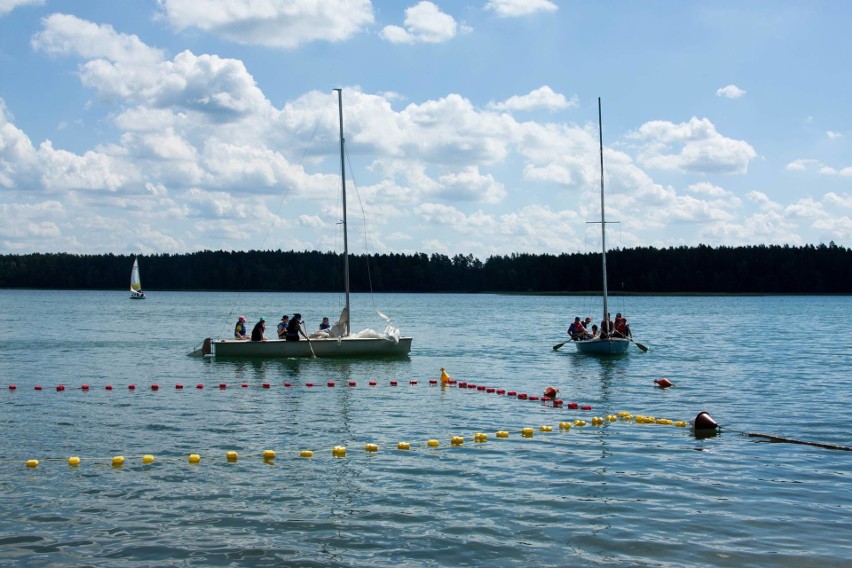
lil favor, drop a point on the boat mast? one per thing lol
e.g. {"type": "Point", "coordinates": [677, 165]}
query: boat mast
{"type": "Point", "coordinates": [345, 226]}
{"type": "Point", "coordinates": [603, 221]}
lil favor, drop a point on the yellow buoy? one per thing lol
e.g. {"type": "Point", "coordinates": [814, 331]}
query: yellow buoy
{"type": "Point", "coordinates": [268, 455]}
{"type": "Point", "coordinates": [480, 437]}
{"type": "Point", "coordinates": [32, 463]}
{"type": "Point", "coordinates": [527, 432]}
{"type": "Point", "coordinates": [680, 423]}
{"type": "Point", "coordinates": [231, 456]}
{"type": "Point", "coordinates": [433, 443]}
{"type": "Point", "coordinates": [564, 425]}
{"type": "Point", "coordinates": [339, 451]}
{"type": "Point", "coordinates": [306, 454]}
{"type": "Point", "coordinates": [371, 447]}
{"type": "Point", "coordinates": [117, 461]}
{"type": "Point", "coordinates": [147, 458]}
{"type": "Point", "coordinates": [502, 434]}
{"type": "Point", "coordinates": [445, 378]}
{"type": "Point", "coordinates": [457, 440]}
{"type": "Point", "coordinates": [74, 460]}
{"type": "Point", "coordinates": [403, 446]}
{"type": "Point", "coordinates": [194, 458]}
{"type": "Point", "coordinates": [611, 418]}
{"type": "Point", "coordinates": [579, 423]}
{"type": "Point", "coordinates": [546, 428]}
{"type": "Point", "coordinates": [597, 421]}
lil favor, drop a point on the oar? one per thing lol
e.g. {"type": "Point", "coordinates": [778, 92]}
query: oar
{"type": "Point", "coordinates": [639, 345]}
{"type": "Point", "coordinates": [558, 345]}
{"type": "Point", "coordinates": [313, 355]}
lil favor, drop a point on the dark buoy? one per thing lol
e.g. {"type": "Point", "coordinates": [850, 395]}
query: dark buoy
{"type": "Point", "coordinates": [703, 425]}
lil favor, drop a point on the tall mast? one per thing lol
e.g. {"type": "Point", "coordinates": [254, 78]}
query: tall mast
{"type": "Point", "coordinates": [345, 226]}
{"type": "Point", "coordinates": [603, 220]}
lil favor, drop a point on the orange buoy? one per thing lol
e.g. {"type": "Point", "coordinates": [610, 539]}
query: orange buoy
{"type": "Point", "coordinates": [551, 392]}
{"type": "Point", "coordinates": [663, 383]}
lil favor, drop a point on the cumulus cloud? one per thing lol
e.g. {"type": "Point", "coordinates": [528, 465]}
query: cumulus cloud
{"type": "Point", "coordinates": [517, 8]}
{"type": "Point", "coordinates": [541, 98]}
{"type": "Point", "coordinates": [424, 23]}
{"type": "Point", "coordinates": [284, 24]}
{"type": "Point", "coordinates": [693, 146]}
{"type": "Point", "coordinates": [7, 6]}
{"type": "Point", "coordinates": [832, 135]}
{"type": "Point", "coordinates": [730, 92]}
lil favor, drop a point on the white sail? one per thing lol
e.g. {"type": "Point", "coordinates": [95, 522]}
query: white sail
{"type": "Point", "coordinates": [135, 279]}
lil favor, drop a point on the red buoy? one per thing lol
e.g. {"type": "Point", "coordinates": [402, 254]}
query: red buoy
{"type": "Point", "coordinates": [471, 386]}
{"type": "Point", "coordinates": [85, 387]}
{"type": "Point", "coordinates": [244, 385]}
{"type": "Point", "coordinates": [155, 387]}
{"type": "Point", "coordinates": [12, 387]}
{"type": "Point", "coordinates": [60, 388]}
{"type": "Point", "coordinates": [489, 390]}
{"type": "Point", "coordinates": [550, 392]}
{"type": "Point", "coordinates": [511, 393]}
{"type": "Point", "coordinates": [38, 388]}
{"type": "Point", "coordinates": [309, 384]}
{"type": "Point", "coordinates": [393, 383]}
{"type": "Point", "coordinates": [573, 405]}
{"type": "Point", "coordinates": [265, 385]}
{"type": "Point", "coordinates": [557, 402]}
{"type": "Point", "coordinates": [462, 385]}
{"type": "Point", "coordinates": [372, 383]}
{"type": "Point", "coordinates": [585, 407]}
{"type": "Point", "coordinates": [412, 382]}
{"type": "Point", "coordinates": [330, 383]}
{"type": "Point", "coordinates": [178, 386]}
{"type": "Point", "coordinates": [223, 386]}
{"type": "Point", "coordinates": [433, 381]}
{"type": "Point", "coordinates": [501, 391]}
{"type": "Point", "coordinates": [108, 387]}
{"type": "Point", "coordinates": [352, 383]}
{"type": "Point", "coordinates": [522, 396]}
{"type": "Point", "coordinates": [533, 398]}
{"type": "Point", "coordinates": [131, 387]}
{"type": "Point", "coordinates": [663, 383]}
{"type": "Point", "coordinates": [288, 385]}
{"type": "Point", "coordinates": [199, 386]}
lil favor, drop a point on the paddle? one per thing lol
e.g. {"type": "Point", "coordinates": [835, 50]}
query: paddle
{"type": "Point", "coordinates": [639, 345]}
{"type": "Point", "coordinates": [558, 345]}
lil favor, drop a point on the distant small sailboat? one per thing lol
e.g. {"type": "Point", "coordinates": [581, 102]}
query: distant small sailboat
{"type": "Point", "coordinates": [136, 292]}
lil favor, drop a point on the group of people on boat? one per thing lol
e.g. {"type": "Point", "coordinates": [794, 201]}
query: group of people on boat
{"type": "Point", "coordinates": [580, 330]}
{"type": "Point", "coordinates": [289, 328]}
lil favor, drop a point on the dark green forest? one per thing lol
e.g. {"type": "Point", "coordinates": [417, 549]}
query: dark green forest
{"type": "Point", "coordinates": [812, 269]}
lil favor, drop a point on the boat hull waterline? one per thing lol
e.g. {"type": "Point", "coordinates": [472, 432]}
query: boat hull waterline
{"type": "Point", "coordinates": [612, 346]}
{"type": "Point", "coordinates": [331, 347]}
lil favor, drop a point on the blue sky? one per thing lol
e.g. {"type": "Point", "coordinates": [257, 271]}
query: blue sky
{"type": "Point", "coordinates": [471, 126]}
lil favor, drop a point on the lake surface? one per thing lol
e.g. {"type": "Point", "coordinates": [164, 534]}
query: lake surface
{"type": "Point", "coordinates": [620, 494]}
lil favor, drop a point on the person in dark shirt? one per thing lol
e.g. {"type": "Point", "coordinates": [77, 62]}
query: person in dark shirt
{"type": "Point", "coordinates": [294, 328]}
{"type": "Point", "coordinates": [325, 325]}
{"type": "Point", "coordinates": [259, 331]}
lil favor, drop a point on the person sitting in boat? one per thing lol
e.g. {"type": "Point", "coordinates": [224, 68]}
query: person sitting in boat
{"type": "Point", "coordinates": [294, 328]}
{"type": "Point", "coordinates": [282, 326]}
{"type": "Point", "coordinates": [577, 330]}
{"type": "Point", "coordinates": [240, 329]}
{"type": "Point", "coordinates": [259, 331]}
{"type": "Point", "coordinates": [595, 332]}
{"type": "Point", "coordinates": [607, 327]}
{"type": "Point", "coordinates": [621, 328]}
{"type": "Point", "coordinates": [325, 325]}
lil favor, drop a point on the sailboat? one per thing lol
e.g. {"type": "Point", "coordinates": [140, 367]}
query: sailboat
{"type": "Point", "coordinates": [606, 344]}
{"type": "Point", "coordinates": [136, 292]}
{"type": "Point", "coordinates": [338, 341]}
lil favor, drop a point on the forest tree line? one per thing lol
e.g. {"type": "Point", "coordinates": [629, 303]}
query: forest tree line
{"type": "Point", "coordinates": [770, 269]}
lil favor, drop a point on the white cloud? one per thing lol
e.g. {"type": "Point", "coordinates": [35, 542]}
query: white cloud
{"type": "Point", "coordinates": [516, 8]}
{"type": "Point", "coordinates": [693, 146]}
{"type": "Point", "coordinates": [730, 92]}
{"type": "Point", "coordinates": [543, 98]}
{"type": "Point", "coordinates": [274, 23]}
{"type": "Point", "coordinates": [7, 6]}
{"type": "Point", "coordinates": [63, 34]}
{"type": "Point", "coordinates": [801, 165]}
{"type": "Point", "coordinates": [832, 135]}
{"type": "Point", "coordinates": [424, 22]}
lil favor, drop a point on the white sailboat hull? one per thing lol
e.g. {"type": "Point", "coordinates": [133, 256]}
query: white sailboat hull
{"type": "Point", "coordinates": [611, 346]}
{"type": "Point", "coordinates": [331, 347]}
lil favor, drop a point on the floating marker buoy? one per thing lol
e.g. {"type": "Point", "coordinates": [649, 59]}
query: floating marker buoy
{"type": "Point", "coordinates": [585, 407]}
{"type": "Point", "coordinates": [222, 386]}
{"type": "Point", "coordinates": [403, 446]}
{"type": "Point", "coordinates": [501, 391]}
{"type": "Point", "coordinates": [74, 460]}
{"type": "Point", "coordinates": [108, 387]}
{"type": "Point", "coordinates": [511, 393]}
{"type": "Point", "coordinates": [527, 432]}
{"type": "Point", "coordinates": [433, 443]}
{"type": "Point", "coordinates": [445, 377]}
{"type": "Point", "coordinates": [32, 463]}
{"type": "Point", "coordinates": [60, 388]}
{"type": "Point", "coordinates": [522, 396]}
{"type": "Point", "coordinates": [573, 405]}
{"type": "Point", "coordinates": [489, 390]}
{"type": "Point", "coordinates": [680, 423]}
{"type": "Point", "coordinates": [480, 437]}
{"type": "Point", "coordinates": [471, 386]}
{"type": "Point", "coordinates": [147, 458]}
{"type": "Point", "coordinates": [199, 386]}
{"type": "Point", "coordinates": [306, 454]}
{"type": "Point", "coordinates": [546, 428]}
{"type": "Point", "coordinates": [557, 402]}
{"type": "Point", "coordinates": [579, 423]}
{"type": "Point", "coordinates": [37, 387]}
{"type": "Point", "coordinates": [393, 383]}
{"type": "Point", "coordinates": [244, 385]}
{"type": "Point", "coordinates": [502, 434]}
{"type": "Point", "coordinates": [268, 455]}
{"type": "Point", "coordinates": [597, 420]}
{"type": "Point", "coordinates": [131, 387]}
{"type": "Point", "coordinates": [704, 421]}
{"type": "Point", "coordinates": [551, 392]}
{"type": "Point", "coordinates": [194, 458]}
{"type": "Point", "coordinates": [330, 383]}
{"type": "Point", "coordinates": [457, 440]}
{"type": "Point", "coordinates": [564, 425]}
{"type": "Point", "coordinates": [453, 381]}
{"type": "Point", "coordinates": [371, 447]}
{"type": "Point", "coordinates": [433, 381]}
{"type": "Point", "coordinates": [338, 451]}
{"type": "Point", "coordinates": [663, 383]}
{"type": "Point", "coordinates": [231, 456]}
{"type": "Point", "coordinates": [117, 461]}
{"type": "Point", "coordinates": [155, 387]}
{"type": "Point", "coordinates": [288, 385]}
{"type": "Point", "coordinates": [352, 383]}
{"type": "Point", "coordinates": [412, 382]}
{"type": "Point", "coordinates": [372, 383]}
{"type": "Point", "coordinates": [12, 387]}
{"type": "Point", "coordinates": [611, 418]}
{"type": "Point", "coordinates": [462, 385]}
{"type": "Point", "coordinates": [533, 397]}
{"type": "Point", "coordinates": [85, 387]}
{"type": "Point", "coordinates": [265, 385]}
{"type": "Point", "coordinates": [178, 386]}
{"type": "Point", "coordinates": [480, 388]}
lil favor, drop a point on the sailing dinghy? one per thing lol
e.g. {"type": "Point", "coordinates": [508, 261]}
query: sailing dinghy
{"type": "Point", "coordinates": [136, 292]}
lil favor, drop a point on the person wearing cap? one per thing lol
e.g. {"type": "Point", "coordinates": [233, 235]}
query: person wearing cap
{"type": "Point", "coordinates": [294, 328]}
{"type": "Point", "coordinates": [240, 328]}
{"type": "Point", "coordinates": [282, 326]}
{"type": "Point", "coordinates": [259, 331]}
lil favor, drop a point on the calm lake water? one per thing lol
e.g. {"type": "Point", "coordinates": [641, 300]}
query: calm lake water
{"type": "Point", "coordinates": [620, 494]}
